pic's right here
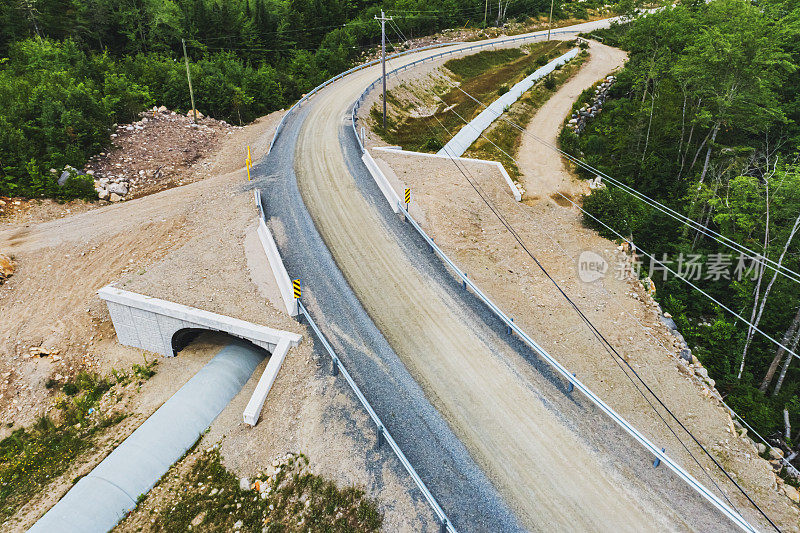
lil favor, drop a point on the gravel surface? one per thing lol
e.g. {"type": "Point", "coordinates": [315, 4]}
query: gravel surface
{"type": "Point", "coordinates": [437, 455]}
{"type": "Point", "coordinates": [194, 245]}
{"type": "Point", "coordinates": [543, 172]}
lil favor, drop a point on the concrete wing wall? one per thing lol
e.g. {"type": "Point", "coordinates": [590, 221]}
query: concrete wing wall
{"type": "Point", "coordinates": [150, 323]}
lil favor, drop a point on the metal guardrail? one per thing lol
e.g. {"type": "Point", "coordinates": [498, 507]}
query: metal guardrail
{"type": "Point", "coordinates": [327, 82]}
{"type": "Point", "coordinates": [324, 84]}
{"type": "Point", "coordinates": [445, 524]}
{"type": "Point", "coordinates": [363, 95]}
{"type": "Point", "coordinates": [734, 516]}
{"type": "Point", "coordinates": [383, 433]}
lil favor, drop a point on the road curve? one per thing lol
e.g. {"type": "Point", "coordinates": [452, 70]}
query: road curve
{"type": "Point", "coordinates": [550, 475]}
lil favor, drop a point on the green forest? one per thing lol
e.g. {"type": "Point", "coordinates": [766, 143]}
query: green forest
{"type": "Point", "coordinates": [71, 69]}
{"type": "Point", "coordinates": [705, 119]}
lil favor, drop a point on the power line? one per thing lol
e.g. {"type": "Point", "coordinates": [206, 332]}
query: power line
{"type": "Point", "coordinates": [705, 230]}
{"type": "Point", "coordinates": [649, 256]}
{"type": "Point", "coordinates": [612, 351]}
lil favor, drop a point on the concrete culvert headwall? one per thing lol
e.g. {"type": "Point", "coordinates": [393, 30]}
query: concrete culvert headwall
{"type": "Point", "coordinates": [103, 497]}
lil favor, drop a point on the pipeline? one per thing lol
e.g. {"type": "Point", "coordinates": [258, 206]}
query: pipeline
{"type": "Point", "coordinates": [103, 497]}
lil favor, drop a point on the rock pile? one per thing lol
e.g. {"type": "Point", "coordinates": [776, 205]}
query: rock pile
{"type": "Point", "coordinates": [152, 154]}
{"type": "Point", "coordinates": [577, 122]}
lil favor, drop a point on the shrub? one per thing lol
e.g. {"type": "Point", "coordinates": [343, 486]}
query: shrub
{"type": "Point", "coordinates": [616, 209]}
{"type": "Point", "coordinates": [433, 144]}
{"type": "Point", "coordinates": [549, 82]}
{"type": "Point", "coordinates": [503, 89]}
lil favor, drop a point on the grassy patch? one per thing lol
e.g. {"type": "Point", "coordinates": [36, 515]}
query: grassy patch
{"type": "Point", "coordinates": [507, 137]}
{"type": "Point", "coordinates": [480, 75]}
{"type": "Point", "coordinates": [291, 498]}
{"type": "Point", "coordinates": [32, 457]}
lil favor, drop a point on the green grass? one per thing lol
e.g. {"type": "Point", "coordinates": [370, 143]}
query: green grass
{"type": "Point", "coordinates": [480, 75]}
{"type": "Point", "coordinates": [29, 458]}
{"type": "Point", "coordinates": [296, 500]}
{"type": "Point", "coordinates": [509, 138]}
{"type": "Point", "coordinates": [32, 457]}
{"type": "Point", "coordinates": [476, 64]}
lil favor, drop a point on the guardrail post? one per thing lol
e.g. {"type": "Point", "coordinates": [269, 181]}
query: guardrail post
{"type": "Point", "coordinates": [658, 461]}
{"type": "Point", "coordinates": [570, 385]}
{"type": "Point", "coordinates": [381, 436]}
{"type": "Point", "coordinates": [335, 366]}
{"type": "Point", "coordinates": [443, 526]}
{"type": "Point", "coordinates": [508, 328]}
{"type": "Point", "coordinates": [464, 282]}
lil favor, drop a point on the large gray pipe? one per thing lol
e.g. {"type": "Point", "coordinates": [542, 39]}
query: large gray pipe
{"type": "Point", "coordinates": [103, 497]}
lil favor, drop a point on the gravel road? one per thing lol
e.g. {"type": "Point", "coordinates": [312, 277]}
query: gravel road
{"type": "Point", "coordinates": [500, 419]}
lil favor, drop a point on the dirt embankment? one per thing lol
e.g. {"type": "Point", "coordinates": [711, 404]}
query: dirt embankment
{"type": "Point", "coordinates": [194, 244]}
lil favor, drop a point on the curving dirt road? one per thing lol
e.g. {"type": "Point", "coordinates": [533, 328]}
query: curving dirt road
{"type": "Point", "coordinates": [542, 174]}
{"type": "Point", "coordinates": [548, 475]}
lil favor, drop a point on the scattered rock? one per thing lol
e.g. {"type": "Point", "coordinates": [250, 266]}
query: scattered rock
{"type": "Point", "coordinates": [6, 268]}
{"type": "Point", "coordinates": [103, 194]}
{"type": "Point", "coordinates": [685, 369]}
{"type": "Point", "coordinates": [762, 448]}
{"type": "Point", "coordinates": [197, 520]}
{"type": "Point", "coordinates": [115, 197]}
{"type": "Point", "coordinates": [239, 523]}
{"type": "Point", "coordinates": [791, 493]}
{"type": "Point", "coordinates": [244, 484]}
{"type": "Point", "coordinates": [776, 453]}
{"type": "Point", "coordinates": [117, 188]}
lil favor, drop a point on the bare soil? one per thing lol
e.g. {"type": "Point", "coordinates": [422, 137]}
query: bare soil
{"type": "Point", "coordinates": [544, 173]}
{"type": "Point", "coordinates": [194, 245]}
{"type": "Point", "coordinates": [162, 150]}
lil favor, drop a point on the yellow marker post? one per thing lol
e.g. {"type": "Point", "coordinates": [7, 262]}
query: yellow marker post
{"type": "Point", "coordinates": [408, 197]}
{"type": "Point", "coordinates": [248, 162]}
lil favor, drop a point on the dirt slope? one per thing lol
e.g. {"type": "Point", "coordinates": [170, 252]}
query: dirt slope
{"type": "Point", "coordinates": [469, 232]}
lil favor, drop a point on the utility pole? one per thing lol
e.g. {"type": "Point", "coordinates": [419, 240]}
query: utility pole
{"type": "Point", "coordinates": [383, 20]}
{"type": "Point", "coordinates": [485, 12]}
{"type": "Point", "coordinates": [189, 77]}
{"type": "Point", "coordinates": [550, 24]}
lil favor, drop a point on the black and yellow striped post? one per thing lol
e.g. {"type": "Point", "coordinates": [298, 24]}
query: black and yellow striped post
{"type": "Point", "coordinates": [407, 200]}
{"type": "Point", "coordinates": [296, 288]}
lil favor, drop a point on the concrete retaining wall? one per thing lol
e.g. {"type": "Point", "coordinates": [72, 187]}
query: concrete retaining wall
{"type": "Point", "coordinates": [282, 278]}
{"type": "Point", "coordinates": [150, 323]}
{"type": "Point", "coordinates": [383, 183]}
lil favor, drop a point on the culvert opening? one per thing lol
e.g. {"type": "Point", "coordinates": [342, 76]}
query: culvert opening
{"type": "Point", "coordinates": [184, 337]}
